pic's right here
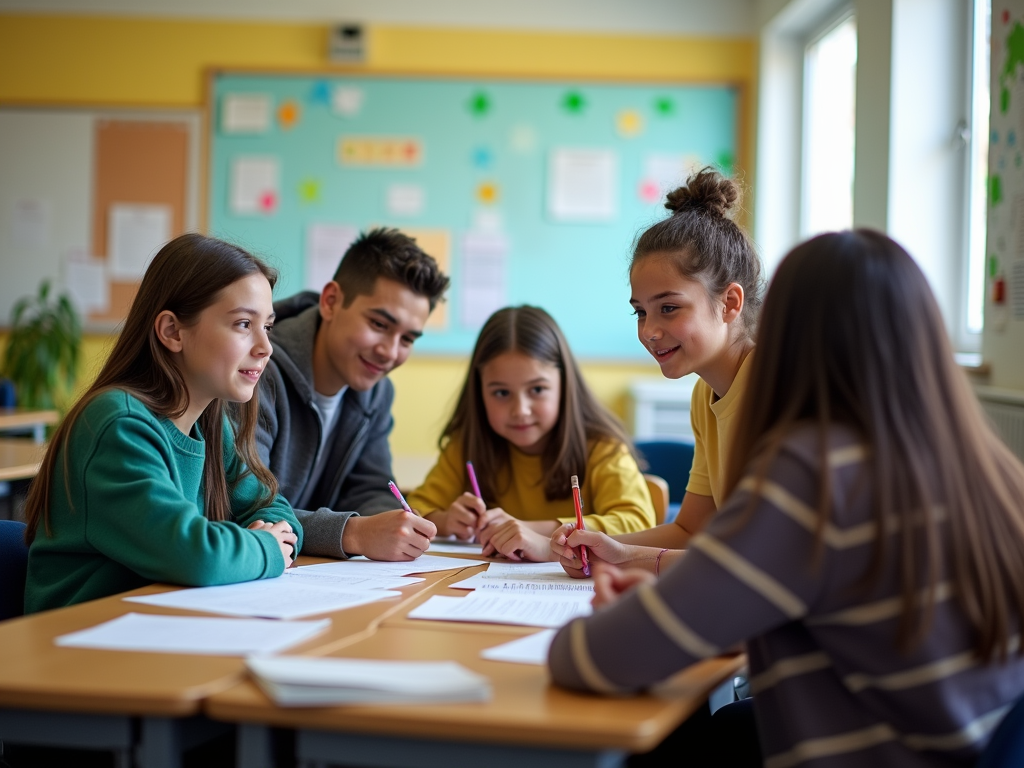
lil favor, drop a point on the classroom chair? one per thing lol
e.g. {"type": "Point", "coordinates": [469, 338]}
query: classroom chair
{"type": "Point", "coordinates": [658, 489]}
{"type": "Point", "coordinates": [1006, 748]}
{"type": "Point", "coordinates": [670, 460]}
{"type": "Point", "coordinates": [13, 564]}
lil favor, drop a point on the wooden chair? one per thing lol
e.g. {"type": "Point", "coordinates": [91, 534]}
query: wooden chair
{"type": "Point", "coordinates": [659, 495]}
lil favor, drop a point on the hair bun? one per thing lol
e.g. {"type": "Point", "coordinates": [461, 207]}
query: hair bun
{"type": "Point", "coordinates": [707, 190]}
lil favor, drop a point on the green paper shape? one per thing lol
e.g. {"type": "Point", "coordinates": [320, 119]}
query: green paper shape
{"type": "Point", "coordinates": [574, 102]}
{"type": "Point", "coordinates": [995, 190]}
{"type": "Point", "coordinates": [725, 160]}
{"type": "Point", "coordinates": [309, 191]}
{"type": "Point", "coordinates": [664, 106]}
{"type": "Point", "coordinates": [479, 104]}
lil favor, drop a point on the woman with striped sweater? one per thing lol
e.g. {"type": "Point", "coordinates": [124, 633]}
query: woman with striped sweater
{"type": "Point", "coordinates": [871, 551]}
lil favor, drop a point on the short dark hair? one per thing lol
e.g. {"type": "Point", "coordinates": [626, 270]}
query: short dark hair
{"type": "Point", "coordinates": [388, 253]}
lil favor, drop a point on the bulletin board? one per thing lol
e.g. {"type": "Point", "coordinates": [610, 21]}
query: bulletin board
{"type": "Point", "coordinates": [526, 192]}
{"type": "Point", "coordinates": [76, 181]}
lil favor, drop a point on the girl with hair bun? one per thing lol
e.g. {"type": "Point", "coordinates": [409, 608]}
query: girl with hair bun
{"type": "Point", "coordinates": [697, 288]}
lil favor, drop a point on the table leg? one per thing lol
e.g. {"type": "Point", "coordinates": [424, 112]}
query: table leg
{"type": "Point", "coordinates": [109, 733]}
{"type": "Point", "coordinates": [254, 748]}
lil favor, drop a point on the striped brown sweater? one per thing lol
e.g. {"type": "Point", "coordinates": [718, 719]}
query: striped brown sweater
{"type": "Point", "coordinates": [830, 687]}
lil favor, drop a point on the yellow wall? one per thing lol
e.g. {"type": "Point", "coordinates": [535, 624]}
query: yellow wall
{"type": "Point", "coordinates": [146, 62]}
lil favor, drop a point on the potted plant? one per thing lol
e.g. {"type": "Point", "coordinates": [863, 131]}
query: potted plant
{"type": "Point", "coordinates": [42, 349]}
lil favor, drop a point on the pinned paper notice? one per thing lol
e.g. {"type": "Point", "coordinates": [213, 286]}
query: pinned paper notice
{"type": "Point", "coordinates": [583, 185]}
{"type": "Point", "coordinates": [255, 185]}
{"type": "Point", "coordinates": [325, 245]}
{"type": "Point", "coordinates": [86, 284]}
{"type": "Point", "coordinates": [30, 225]}
{"type": "Point", "coordinates": [245, 113]}
{"type": "Point", "coordinates": [134, 234]}
{"type": "Point", "coordinates": [405, 200]}
{"type": "Point", "coordinates": [484, 283]}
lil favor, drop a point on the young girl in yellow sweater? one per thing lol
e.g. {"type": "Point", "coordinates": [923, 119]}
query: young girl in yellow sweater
{"type": "Point", "coordinates": [528, 422]}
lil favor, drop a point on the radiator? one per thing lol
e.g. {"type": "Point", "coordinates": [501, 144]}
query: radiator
{"type": "Point", "coordinates": [1005, 409]}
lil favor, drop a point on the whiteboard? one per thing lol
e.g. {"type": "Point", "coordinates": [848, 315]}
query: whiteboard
{"type": "Point", "coordinates": [46, 169]}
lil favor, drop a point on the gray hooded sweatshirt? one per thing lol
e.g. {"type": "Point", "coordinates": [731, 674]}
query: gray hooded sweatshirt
{"type": "Point", "coordinates": [355, 478]}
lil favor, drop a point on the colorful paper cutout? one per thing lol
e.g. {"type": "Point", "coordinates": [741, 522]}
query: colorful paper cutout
{"type": "Point", "coordinates": [574, 103]}
{"type": "Point", "coordinates": [725, 161]}
{"type": "Point", "coordinates": [482, 157]}
{"type": "Point", "coordinates": [523, 138]}
{"type": "Point", "coordinates": [268, 202]}
{"type": "Point", "coordinates": [309, 190]}
{"type": "Point", "coordinates": [479, 104]}
{"type": "Point", "coordinates": [320, 93]}
{"type": "Point", "coordinates": [383, 151]}
{"type": "Point", "coordinates": [347, 100]}
{"type": "Point", "coordinates": [487, 193]}
{"type": "Point", "coordinates": [664, 106]}
{"type": "Point", "coordinates": [629, 123]}
{"type": "Point", "coordinates": [288, 114]}
{"type": "Point", "coordinates": [649, 191]}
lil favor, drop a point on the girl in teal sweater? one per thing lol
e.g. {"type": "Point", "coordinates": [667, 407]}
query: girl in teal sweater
{"type": "Point", "coordinates": [148, 479]}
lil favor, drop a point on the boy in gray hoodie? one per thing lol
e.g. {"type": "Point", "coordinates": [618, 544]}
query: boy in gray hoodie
{"type": "Point", "coordinates": [325, 402]}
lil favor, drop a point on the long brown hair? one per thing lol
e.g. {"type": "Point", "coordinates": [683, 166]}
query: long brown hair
{"type": "Point", "coordinates": [851, 333]}
{"type": "Point", "coordinates": [185, 277]}
{"type": "Point", "coordinates": [581, 418]}
{"type": "Point", "coordinates": [705, 244]}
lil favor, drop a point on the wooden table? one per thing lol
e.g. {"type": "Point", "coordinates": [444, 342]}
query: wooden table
{"type": "Point", "coordinates": [21, 418]}
{"type": "Point", "coordinates": [19, 458]}
{"type": "Point", "coordinates": [527, 722]}
{"type": "Point", "coordinates": [85, 698]}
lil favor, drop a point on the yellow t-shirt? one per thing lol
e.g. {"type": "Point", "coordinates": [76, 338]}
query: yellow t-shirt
{"type": "Point", "coordinates": [614, 492]}
{"type": "Point", "coordinates": [712, 419]}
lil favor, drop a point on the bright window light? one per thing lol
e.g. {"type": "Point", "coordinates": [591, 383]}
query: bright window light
{"type": "Point", "coordinates": [830, 72]}
{"type": "Point", "coordinates": [978, 148]}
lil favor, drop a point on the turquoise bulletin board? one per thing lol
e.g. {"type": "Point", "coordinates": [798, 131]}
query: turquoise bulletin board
{"type": "Point", "coordinates": [527, 192]}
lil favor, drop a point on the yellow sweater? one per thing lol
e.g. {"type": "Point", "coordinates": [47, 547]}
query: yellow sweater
{"type": "Point", "coordinates": [714, 428]}
{"type": "Point", "coordinates": [614, 490]}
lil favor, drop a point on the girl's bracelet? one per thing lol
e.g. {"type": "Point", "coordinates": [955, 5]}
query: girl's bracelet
{"type": "Point", "coordinates": [657, 562]}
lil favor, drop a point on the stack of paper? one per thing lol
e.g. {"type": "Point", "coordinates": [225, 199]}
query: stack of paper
{"type": "Point", "coordinates": [299, 681]}
{"type": "Point", "coordinates": [454, 546]}
{"type": "Point", "coordinates": [494, 607]}
{"type": "Point", "coordinates": [193, 634]}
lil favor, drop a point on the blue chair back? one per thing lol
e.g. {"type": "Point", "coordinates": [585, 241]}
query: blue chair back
{"type": "Point", "coordinates": [1006, 747]}
{"type": "Point", "coordinates": [670, 460]}
{"type": "Point", "coordinates": [13, 565]}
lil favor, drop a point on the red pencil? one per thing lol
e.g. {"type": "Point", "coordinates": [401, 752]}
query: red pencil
{"type": "Point", "coordinates": [578, 503]}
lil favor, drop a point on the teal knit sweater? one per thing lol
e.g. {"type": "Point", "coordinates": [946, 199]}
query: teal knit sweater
{"type": "Point", "coordinates": [132, 512]}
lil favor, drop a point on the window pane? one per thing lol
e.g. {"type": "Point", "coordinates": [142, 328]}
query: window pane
{"type": "Point", "coordinates": [829, 110]}
{"type": "Point", "coordinates": [978, 147]}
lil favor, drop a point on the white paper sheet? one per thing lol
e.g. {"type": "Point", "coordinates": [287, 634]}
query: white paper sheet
{"type": "Point", "coordinates": [245, 113]}
{"type": "Point", "coordinates": [484, 284]}
{"type": "Point", "coordinates": [294, 680]}
{"type": "Point", "coordinates": [456, 547]}
{"type": "Point", "coordinates": [255, 185]}
{"type": "Point", "coordinates": [135, 233]}
{"type": "Point", "coordinates": [532, 649]}
{"type": "Point", "coordinates": [422, 564]}
{"type": "Point", "coordinates": [87, 286]}
{"type": "Point", "coordinates": [31, 222]}
{"type": "Point", "coordinates": [526, 578]}
{"type": "Point", "coordinates": [325, 245]}
{"type": "Point", "coordinates": [348, 581]}
{"type": "Point", "coordinates": [281, 598]}
{"type": "Point", "coordinates": [405, 199]}
{"type": "Point", "coordinates": [500, 608]}
{"type": "Point", "coordinates": [192, 634]}
{"type": "Point", "coordinates": [583, 185]}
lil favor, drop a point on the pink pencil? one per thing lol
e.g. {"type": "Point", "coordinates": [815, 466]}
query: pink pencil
{"type": "Point", "coordinates": [472, 480]}
{"type": "Point", "coordinates": [400, 497]}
